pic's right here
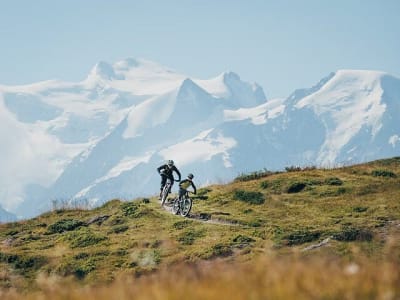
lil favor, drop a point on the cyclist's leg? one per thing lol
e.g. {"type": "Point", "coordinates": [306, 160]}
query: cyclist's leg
{"type": "Point", "coordinates": [163, 181]}
{"type": "Point", "coordinates": [172, 183]}
{"type": "Point", "coordinates": [181, 193]}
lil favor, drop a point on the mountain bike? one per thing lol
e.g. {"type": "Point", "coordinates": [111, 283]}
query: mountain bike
{"type": "Point", "coordinates": [182, 205]}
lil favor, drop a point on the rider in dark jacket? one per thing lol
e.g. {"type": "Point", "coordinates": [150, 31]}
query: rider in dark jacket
{"type": "Point", "coordinates": [166, 171]}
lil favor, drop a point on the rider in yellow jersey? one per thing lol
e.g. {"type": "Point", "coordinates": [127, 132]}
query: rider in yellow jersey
{"type": "Point", "coordinates": [185, 183]}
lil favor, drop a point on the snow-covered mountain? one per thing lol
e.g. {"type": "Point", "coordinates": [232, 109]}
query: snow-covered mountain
{"type": "Point", "coordinates": [6, 216]}
{"type": "Point", "coordinates": [104, 137]}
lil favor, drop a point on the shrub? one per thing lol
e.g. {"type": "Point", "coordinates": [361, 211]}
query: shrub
{"type": "Point", "coordinates": [65, 225]}
{"type": "Point", "coordinates": [296, 187]}
{"type": "Point", "coordinates": [77, 268]}
{"type": "Point", "coordinates": [249, 197]}
{"type": "Point", "coordinates": [188, 237]}
{"type": "Point", "coordinates": [203, 191]}
{"type": "Point", "coordinates": [301, 237]}
{"type": "Point", "coordinates": [116, 220]}
{"type": "Point", "coordinates": [254, 175]}
{"type": "Point", "coordinates": [130, 209]}
{"type": "Point", "coordinates": [242, 239]}
{"type": "Point", "coordinates": [83, 238]}
{"type": "Point", "coordinates": [298, 169]}
{"type": "Point", "coordinates": [333, 192]}
{"type": "Point", "coordinates": [360, 209]}
{"type": "Point", "coordinates": [333, 181]}
{"type": "Point", "coordinates": [22, 262]}
{"type": "Point", "coordinates": [349, 233]}
{"type": "Point", "coordinates": [119, 229]}
{"type": "Point", "coordinates": [293, 169]}
{"type": "Point", "coordinates": [264, 185]}
{"type": "Point", "coordinates": [383, 173]}
{"type": "Point", "coordinates": [255, 223]}
{"type": "Point", "coordinates": [221, 250]}
{"type": "Point", "coordinates": [11, 232]}
{"type": "Point", "coordinates": [182, 224]}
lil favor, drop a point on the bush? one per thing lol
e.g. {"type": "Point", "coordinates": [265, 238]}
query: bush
{"type": "Point", "coordinates": [296, 187]}
{"type": "Point", "coordinates": [360, 209]}
{"type": "Point", "coordinates": [119, 229]}
{"type": "Point", "coordinates": [188, 237]}
{"type": "Point", "coordinates": [298, 169]}
{"type": "Point", "coordinates": [301, 237]}
{"type": "Point", "coordinates": [65, 225]}
{"type": "Point", "coordinates": [23, 263]}
{"type": "Point", "coordinates": [182, 224]}
{"type": "Point", "coordinates": [348, 234]}
{"type": "Point", "coordinates": [84, 238]}
{"type": "Point", "coordinates": [383, 173]}
{"type": "Point", "coordinates": [333, 192]}
{"type": "Point", "coordinates": [333, 181]}
{"type": "Point", "coordinates": [293, 169]}
{"type": "Point", "coordinates": [249, 197]}
{"type": "Point", "coordinates": [243, 240]}
{"type": "Point", "coordinates": [203, 191]}
{"type": "Point", "coordinates": [254, 175]}
{"type": "Point", "coordinates": [79, 268]}
{"type": "Point", "coordinates": [130, 209]}
{"type": "Point", "coordinates": [221, 250]}
{"type": "Point", "coordinates": [264, 185]}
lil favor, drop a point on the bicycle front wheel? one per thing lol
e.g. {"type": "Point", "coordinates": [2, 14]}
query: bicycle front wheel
{"type": "Point", "coordinates": [164, 194]}
{"type": "Point", "coordinates": [186, 206]}
{"type": "Point", "coordinates": [175, 206]}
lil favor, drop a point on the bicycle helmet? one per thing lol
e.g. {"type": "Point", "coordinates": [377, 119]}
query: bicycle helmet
{"type": "Point", "coordinates": [190, 176]}
{"type": "Point", "coordinates": [170, 163]}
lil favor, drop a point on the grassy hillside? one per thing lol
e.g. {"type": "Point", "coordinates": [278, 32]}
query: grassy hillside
{"type": "Point", "coordinates": [303, 233]}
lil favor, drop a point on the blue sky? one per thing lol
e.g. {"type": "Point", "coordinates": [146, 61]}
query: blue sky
{"type": "Point", "coordinates": [282, 45]}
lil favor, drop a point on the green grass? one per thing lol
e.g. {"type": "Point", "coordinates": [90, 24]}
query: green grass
{"type": "Point", "coordinates": [354, 206]}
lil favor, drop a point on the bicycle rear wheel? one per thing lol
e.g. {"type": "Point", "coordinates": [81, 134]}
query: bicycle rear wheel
{"type": "Point", "coordinates": [186, 206]}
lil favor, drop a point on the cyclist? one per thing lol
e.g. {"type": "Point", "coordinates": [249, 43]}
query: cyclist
{"type": "Point", "coordinates": [166, 171]}
{"type": "Point", "coordinates": [184, 184]}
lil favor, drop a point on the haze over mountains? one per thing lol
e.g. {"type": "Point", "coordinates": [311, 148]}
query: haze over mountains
{"type": "Point", "coordinates": [104, 137]}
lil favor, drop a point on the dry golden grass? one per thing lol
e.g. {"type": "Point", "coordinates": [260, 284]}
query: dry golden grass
{"type": "Point", "coordinates": [270, 276]}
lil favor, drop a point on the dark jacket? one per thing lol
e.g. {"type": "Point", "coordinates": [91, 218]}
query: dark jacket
{"type": "Point", "coordinates": [164, 169]}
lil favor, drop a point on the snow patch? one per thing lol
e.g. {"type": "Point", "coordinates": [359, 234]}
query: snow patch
{"type": "Point", "coordinates": [258, 115]}
{"type": "Point", "coordinates": [125, 164]}
{"type": "Point", "coordinates": [393, 140]}
{"type": "Point", "coordinates": [201, 148]}
{"type": "Point", "coordinates": [149, 113]}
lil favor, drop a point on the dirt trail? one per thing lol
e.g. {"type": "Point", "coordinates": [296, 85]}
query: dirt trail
{"type": "Point", "coordinates": [202, 217]}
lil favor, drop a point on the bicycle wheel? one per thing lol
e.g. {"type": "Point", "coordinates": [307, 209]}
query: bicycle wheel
{"type": "Point", "coordinates": [186, 206]}
{"type": "Point", "coordinates": [164, 194]}
{"type": "Point", "coordinates": [175, 206]}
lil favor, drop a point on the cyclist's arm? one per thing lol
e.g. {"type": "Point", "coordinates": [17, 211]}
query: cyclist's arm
{"type": "Point", "coordinates": [194, 188]}
{"type": "Point", "coordinates": [160, 168]}
{"type": "Point", "coordinates": [177, 172]}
